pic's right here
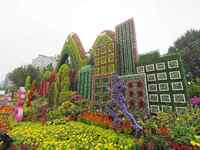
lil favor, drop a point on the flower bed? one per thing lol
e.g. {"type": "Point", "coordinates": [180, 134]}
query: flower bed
{"type": "Point", "coordinates": [6, 109]}
{"type": "Point", "coordinates": [5, 112]}
{"type": "Point", "coordinates": [71, 135]}
{"type": "Point", "coordinates": [103, 120]}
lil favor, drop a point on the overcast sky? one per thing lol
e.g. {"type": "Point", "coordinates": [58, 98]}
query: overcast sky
{"type": "Point", "coordinates": [32, 27]}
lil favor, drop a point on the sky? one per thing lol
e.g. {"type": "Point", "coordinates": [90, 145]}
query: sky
{"type": "Point", "coordinates": [32, 27]}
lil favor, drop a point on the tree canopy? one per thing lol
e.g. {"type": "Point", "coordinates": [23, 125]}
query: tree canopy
{"type": "Point", "coordinates": [18, 75]}
{"type": "Point", "coordinates": [188, 45]}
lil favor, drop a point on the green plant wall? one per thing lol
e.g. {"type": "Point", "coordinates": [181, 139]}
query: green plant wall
{"type": "Point", "coordinates": [166, 84]}
{"type": "Point", "coordinates": [72, 48]}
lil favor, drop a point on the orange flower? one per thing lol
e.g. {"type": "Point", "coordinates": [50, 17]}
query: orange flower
{"type": "Point", "coordinates": [163, 131]}
{"type": "Point", "coordinates": [6, 109]}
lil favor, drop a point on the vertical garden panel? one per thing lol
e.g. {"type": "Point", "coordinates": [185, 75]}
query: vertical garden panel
{"type": "Point", "coordinates": [126, 47]}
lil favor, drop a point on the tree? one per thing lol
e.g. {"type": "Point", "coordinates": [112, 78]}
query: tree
{"type": "Point", "coordinates": [188, 45]}
{"type": "Point", "coordinates": [18, 75]}
{"type": "Point", "coordinates": [149, 57]}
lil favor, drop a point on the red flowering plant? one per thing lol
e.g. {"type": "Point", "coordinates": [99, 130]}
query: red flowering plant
{"type": "Point", "coordinates": [140, 84]}
{"type": "Point", "coordinates": [141, 103]}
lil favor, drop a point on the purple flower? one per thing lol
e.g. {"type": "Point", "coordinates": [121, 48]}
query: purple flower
{"type": "Point", "coordinates": [195, 101]}
{"type": "Point", "coordinates": [77, 97]}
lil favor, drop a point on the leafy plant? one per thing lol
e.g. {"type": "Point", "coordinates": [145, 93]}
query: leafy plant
{"type": "Point", "coordinates": [52, 95]}
{"type": "Point", "coordinates": [55, 114]}
{"type": "Point", "coordinates": [182, 133]}
{"type": "Point", "coordinates": [28, 82]}
{"type": "Point", "coordinates": [64, 95]}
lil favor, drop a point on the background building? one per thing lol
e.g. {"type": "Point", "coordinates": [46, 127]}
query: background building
{"type": "Point", "coordinates": [43, 61]}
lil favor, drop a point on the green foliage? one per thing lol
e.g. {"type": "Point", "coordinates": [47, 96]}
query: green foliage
{"type": "Point", "coordinates": [26, 111]}
{"type": "Point", "coordinates": [50, 67]}
{"type": "Point", "coordinates": [65, 107]}
{"type": "Point", "coordinates": [72, 48]}
{"type": "Point", "coordinates": [37, 104]}
{"type": "Point", "coordinates": [55, 114]}
{"type": "Point", "coordinates": [194, 89]}
{"type": "Point", "coordinates": [103, 39]}
{"type": "Point", "coordinates": [56, 122]}
{"type": "Point", "coordinates": [11, 122]}
{"type": "Point", "coordinates": [68, 108]}
{"type": "Point", "coordinates": [64, 95]}
{"type": "Point", "coordinates": [58, 91]}
{"type": "Point", "coordinates": [182, 133]}
{"type": "Point", "coordinates": [46, 75]}
{"type": "Point", "coordinates": [74, 108]}
{"type": "Point", "coordinates": [149, 57]}
{"type": "Point", "coordinates": [28, 82]}
{"type": "Point", "coordinates": [63, 78]}
{"type": "Point", "coordinates": [61, 86]}
{"type": "Point", "coordinates": [18, 75]}
{"type": "Point", "coordinates": [53, 95]}
{"type": "Point", "coordinates": [186, 127]}
{"type": "Point", "coordinates": [61, 111]}
{"type": "Point", "coordinates": [11, 89]}
{"type": "Point", "coordinates": [188, 45]}
{"type": "Point", "coordinates": [182, 129]}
